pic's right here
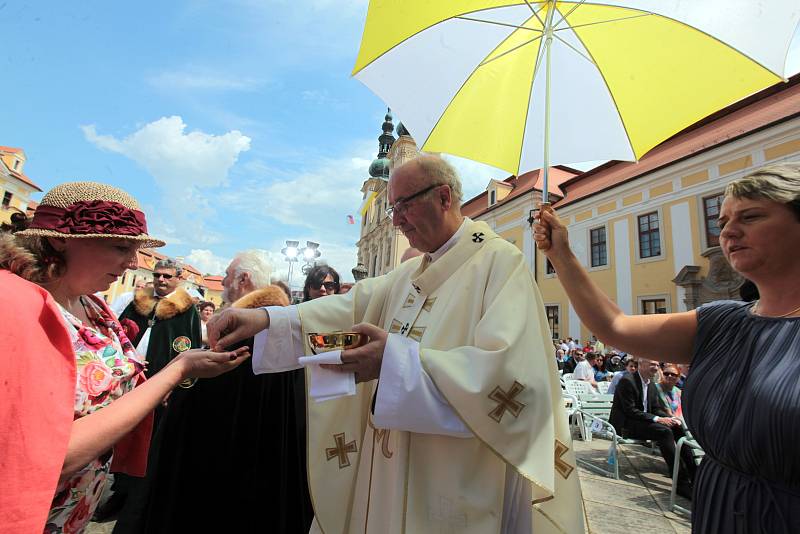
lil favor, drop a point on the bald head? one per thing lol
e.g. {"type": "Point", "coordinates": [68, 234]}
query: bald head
{"type": "Point", "coordinates": [425, 198]}
{"type": "Point", "coordinates": [430, 169]}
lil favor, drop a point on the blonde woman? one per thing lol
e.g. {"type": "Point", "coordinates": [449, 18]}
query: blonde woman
{"type": "Point", "coordinates": [742, 399]}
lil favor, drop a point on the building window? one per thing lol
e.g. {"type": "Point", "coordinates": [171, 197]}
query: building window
{"type": "Point", "coordinates": [375, 265]}
{"type": "Point", "coordinates": [552, 320]}
{"type": "Point", "coordinates": [597, 237]}
{"type": "Point", "coordinates": [7, 199]}
{"type": "Point", "coordinates": [16, 164]}
{"type": "Point", "coordinates": [649, 235]}
{"type": "Point", "coordinates": [379, 212]}
{"type": "Point", "coordinates": [711, 207]}
{"type": "Point", "coordinates": [653, 306]}
{"type": "Point", "coordinates": [549, 269]}
{"type": "Point", "coordinates": [492, 197]}
{"type": "Point", "coordinates": [388, 249]}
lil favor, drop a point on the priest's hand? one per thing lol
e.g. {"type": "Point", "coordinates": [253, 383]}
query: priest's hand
{"type": "Point", "coordinates": [549, 233]}
{"type": "Point", "coordinates": [232, 325]}
{"type": "Point", "coordinates": [365, 361]}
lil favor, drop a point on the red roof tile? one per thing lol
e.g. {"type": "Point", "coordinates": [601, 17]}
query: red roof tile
{"type": "Point", "coordinates": [525, 183]}
{"type": "Point", "coordinates": [214, 283]}
{"type": "Point", "coordinates": [25, 179]}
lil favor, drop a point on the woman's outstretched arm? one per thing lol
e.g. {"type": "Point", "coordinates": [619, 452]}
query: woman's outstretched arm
{"type": "Point", "coordinates": [662, 336]}
{"type": "Point", "coordinates": [96, 433]}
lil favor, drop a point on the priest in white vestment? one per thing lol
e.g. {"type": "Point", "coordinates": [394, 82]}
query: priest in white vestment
{"type": "Point", "coordinates": [450, 419]}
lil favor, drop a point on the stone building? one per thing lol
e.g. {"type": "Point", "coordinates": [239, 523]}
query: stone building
{"type": "Point", "coordinates": [381, 245]}
{"type": "Point", "coordinates": [647, 232]}
{"type": "Point", "coordinates": [15, 187]}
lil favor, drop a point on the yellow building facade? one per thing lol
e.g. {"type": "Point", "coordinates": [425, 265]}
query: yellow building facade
{"type": "Point", "coordinates": [647, 232]}
{"type": "Point", "coordinates": [15, 188]}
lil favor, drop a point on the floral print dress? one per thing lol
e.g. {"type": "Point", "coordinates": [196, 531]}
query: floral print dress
{"type": "Point", "coordinates": [107, 368]}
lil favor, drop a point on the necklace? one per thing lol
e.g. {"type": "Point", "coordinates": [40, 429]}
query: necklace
{"type": "Point", "coordinates": [755, 311]}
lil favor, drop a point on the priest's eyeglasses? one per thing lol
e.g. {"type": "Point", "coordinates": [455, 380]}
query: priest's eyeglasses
{"type": "Point", "coordinates": [401, 205]}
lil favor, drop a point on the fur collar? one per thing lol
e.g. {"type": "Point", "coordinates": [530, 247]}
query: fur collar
{"type": "Point", "coordinates": [144, 301]}
{"type": "Point", "coordinates": [268, 296]}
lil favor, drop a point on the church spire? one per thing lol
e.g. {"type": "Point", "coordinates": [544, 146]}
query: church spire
{"type": "Point", "coordinates": [380, 167]}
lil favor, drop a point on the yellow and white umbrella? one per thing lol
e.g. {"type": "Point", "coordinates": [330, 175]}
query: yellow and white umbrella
{"type": "Point", "coordinates": [521, 85]}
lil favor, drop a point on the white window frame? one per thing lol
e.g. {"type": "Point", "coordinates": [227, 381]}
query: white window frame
{"type": "Point", "coordinates": [589, 248]}
{"type": "Point", "coordinates": [661, 231]}
{"type": "Point", "coordinates": [701, 210]}
{"type": "Point", "coordinates": [663, 296]}
{"type": "Point", "coordinates": [556, 305]}
{"type": "Point", "coordinates": [554, 274]}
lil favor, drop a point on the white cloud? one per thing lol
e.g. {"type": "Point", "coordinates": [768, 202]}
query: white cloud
{"type": "Point", "coordinates": [207, 262]}
{"type": "Point", "coordinates": [200, 79]}
{"type": "Point", "coordinates": [308, 204]}
{"type": "Point", "coordinates": [312, 197]}
{"type": "Point", "coordinates": [183, 165]}
{"type": "Point", "coordinates": [179, 161]}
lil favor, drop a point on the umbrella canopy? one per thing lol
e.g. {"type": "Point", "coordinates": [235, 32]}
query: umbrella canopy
{"type": "Point", "coordinates": [477, 78]}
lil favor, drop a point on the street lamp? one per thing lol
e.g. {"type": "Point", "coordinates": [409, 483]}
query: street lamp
{"type": "Point", "coordinates": [290, 252]}
{"type": "Point", "coordinates": [359, 272]}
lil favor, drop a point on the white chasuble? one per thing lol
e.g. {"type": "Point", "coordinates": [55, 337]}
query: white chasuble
{"type": "Point", "coordinates": [484, 342]}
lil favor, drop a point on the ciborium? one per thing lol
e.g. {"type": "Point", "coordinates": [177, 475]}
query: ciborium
{"type": "Point", "coordinates": [328, 341]}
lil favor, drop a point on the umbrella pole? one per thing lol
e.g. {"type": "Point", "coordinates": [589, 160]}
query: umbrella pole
{"type": "Point", "coordinates": [548, 41]}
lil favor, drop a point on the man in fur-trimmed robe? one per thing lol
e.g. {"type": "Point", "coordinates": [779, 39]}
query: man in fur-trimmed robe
{"type": "Point", "coordinates": [232, 451]}
{"type": "Point", "coordinates": [168, 324]}
{"type": "Point", "coordinates": [457, 423]}
{"type": "Point", "coordinates": [166, 316]}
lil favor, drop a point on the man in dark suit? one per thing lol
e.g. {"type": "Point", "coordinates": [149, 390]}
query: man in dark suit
{"type": "Point", "coordinates": [639, 413]}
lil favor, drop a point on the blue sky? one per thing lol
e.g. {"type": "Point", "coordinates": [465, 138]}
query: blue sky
{"type": "Point", "coordinates": [235, 123]}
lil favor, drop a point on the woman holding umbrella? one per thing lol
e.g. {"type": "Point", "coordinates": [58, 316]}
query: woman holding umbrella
{"type": "Point", "coordinates": [749, 480]}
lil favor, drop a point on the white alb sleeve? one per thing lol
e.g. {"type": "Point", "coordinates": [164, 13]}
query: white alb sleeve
{"type": "Point", "coordinates": [277, 348]}
{"type": "Point", "coordinates": [407, 398]}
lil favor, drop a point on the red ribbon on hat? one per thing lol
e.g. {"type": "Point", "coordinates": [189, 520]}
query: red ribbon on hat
{"type": "Point", "coordinates": [90, 217]}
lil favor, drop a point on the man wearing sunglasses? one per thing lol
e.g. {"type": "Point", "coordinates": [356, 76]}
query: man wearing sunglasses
{"type": "Point", "coordinates": [458, 423]}
{"type": "Point", "coordinates": [168, 324]}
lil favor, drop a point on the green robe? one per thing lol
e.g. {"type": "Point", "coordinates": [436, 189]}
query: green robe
{"type": "Point", "coordinates": [176, 325]}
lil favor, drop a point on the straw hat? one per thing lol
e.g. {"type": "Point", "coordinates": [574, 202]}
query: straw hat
{"type": "Point", "coordinates": [90, 209]}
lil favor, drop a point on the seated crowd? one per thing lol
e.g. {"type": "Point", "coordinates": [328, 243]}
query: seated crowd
{"type": "Point", "coordinates": [646, 397]}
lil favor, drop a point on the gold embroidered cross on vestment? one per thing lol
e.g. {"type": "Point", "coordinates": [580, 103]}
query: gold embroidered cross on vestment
{"type": "Point", "coordinates": [506, 401]}
{"type": "Point", "coordinates": [563, 468]}
{"type": "Point", "coordinates": [341, 450]}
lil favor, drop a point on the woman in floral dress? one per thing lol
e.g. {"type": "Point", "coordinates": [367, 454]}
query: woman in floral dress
{"type": "Point", "coordinates": [84, 236]}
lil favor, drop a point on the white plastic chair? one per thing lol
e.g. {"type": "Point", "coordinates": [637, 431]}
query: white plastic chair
{"type": "Point", "coordinates": [602, 387]}
{"type": "Point", "coordinates": [579, 387]}
{"type": "Point", "coordinates": [697, 455]}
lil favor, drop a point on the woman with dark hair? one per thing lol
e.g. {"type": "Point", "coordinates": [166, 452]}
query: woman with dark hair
{"type": "Point", "coordinates": [206, 309]}
{"type": "Point", "coordinates": [600, 370]}
{"type": "Point", "coordinates": [320, 282]}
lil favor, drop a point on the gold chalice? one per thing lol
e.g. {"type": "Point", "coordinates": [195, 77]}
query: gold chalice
{"type": "Point", "coordinates": [327, 341]}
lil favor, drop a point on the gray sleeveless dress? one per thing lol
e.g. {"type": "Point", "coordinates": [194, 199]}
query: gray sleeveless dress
{"type": "Point", "coordinates": [742, 403]}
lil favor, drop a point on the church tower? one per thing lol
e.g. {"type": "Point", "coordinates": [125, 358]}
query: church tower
{"type": "Point", "coordinates": [381, 245]}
